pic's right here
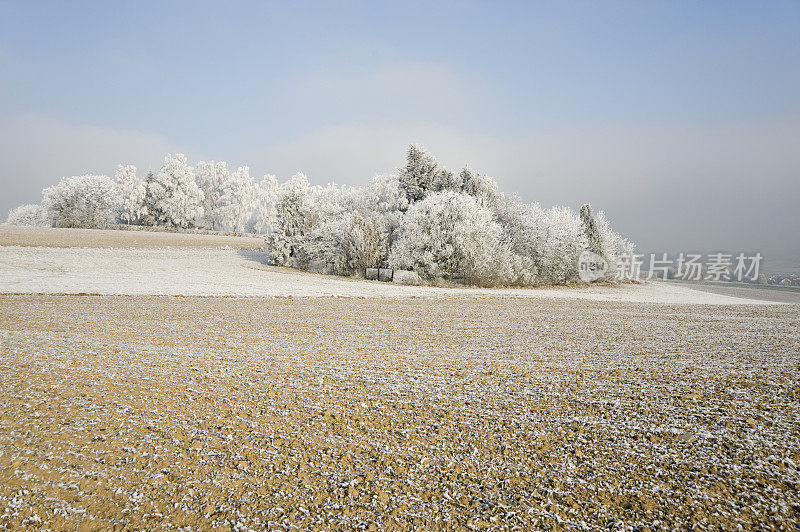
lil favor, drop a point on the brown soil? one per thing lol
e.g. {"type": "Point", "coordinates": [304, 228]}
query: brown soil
{"type": "Point", "coordinates": [202, 413]}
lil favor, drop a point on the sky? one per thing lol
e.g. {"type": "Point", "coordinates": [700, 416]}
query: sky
{"type": "Point", "coordinates": [680, 120]}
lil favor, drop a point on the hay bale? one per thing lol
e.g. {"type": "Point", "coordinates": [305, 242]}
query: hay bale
{"type": "Point", "coordinates": [458, 278]}
{"type": "Point", "coordinates": [385, 275]}
{"type": "Point", "coordinates": [406, 277]}
{"type": "Point", "coordinates": [371, 274]}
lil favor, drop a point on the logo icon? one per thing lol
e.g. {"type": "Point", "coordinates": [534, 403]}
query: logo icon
{"type": "Point", "coordinates": [591, 266]}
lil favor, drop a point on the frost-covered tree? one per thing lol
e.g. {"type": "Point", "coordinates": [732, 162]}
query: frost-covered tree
{"type": "Point", "coordinates": [149, 207]}
{"type": "Point", "coordinates": [82, 201]}
{"type": "Point", "coordinates": [481, 187]}
{"type": "Point", "coordinates": [175, 197]}
{"type": "Point", "coordinates": [522, 236]}
{"type": "Point", "coordinates": [444, 180]}
{"type": "Point", "coordinates": [449, 235]}
{"type": "Point", "coordinates": [442, 224]}
{"type": "Point", "coordinates": [235, 202]}
{"type": "Point", "coordinates": [326, 241]}
{"type": "Point", "coordinates": [385, 199]}
{"type": "Point", "coordinates": [564, 240]}
{"type": "Point", "coordinates": [131, 192]}
{"type": "Point", "coordinates": [591, 230]}
{"type": "Point", "coordinates": [613, 244]}
{"type": "Point", "coordinates": [29, 215]}
{"type": "Point", "coordinates": [211, 177]}
{"type": "Point", "coordinates": [419, 174]}
{"type": "Point", "coordinates": [295, 216]}
{"type": "Point", "coordinates": [357, 226]}
{"type": "Point", "coordinates": [263, 213]}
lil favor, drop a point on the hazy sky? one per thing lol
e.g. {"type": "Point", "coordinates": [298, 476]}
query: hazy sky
{"type": "Point", "coordinates": [680, 119]}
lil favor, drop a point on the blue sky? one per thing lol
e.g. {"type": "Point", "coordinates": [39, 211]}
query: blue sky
{"type": "Point", "coordinates": [680, 119]}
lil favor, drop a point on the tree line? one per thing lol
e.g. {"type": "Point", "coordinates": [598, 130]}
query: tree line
{"type": "Point", "coordinates": [442, 224]}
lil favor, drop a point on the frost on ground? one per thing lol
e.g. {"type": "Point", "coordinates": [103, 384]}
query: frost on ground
{"type": "Point", "coordinates": [231, 272]}
{"type": "Point", "coordinates": [323, 413]}
{"type": "Point", "coordinates": [136, 237]}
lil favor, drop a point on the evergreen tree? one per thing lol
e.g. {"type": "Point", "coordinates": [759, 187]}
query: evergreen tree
{"type": "Point", "coordinates": [447, 180]}
{"type": "Point", "coordinates": [419, 174]}
{"type": "Point", "coordinates": [151, 213]}
{"type": "Point", "coordinates": [591, 230]}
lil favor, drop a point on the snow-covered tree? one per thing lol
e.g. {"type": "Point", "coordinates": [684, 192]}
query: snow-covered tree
{"type": "Point", "coordinates": [590, 229]}
{"type": "Point", "coordinates": [131, 191]}
{"type": "Point", "coordinates": [379, 210]}
{"type": "Point", "coordinates": [481, 187]}
{"type": "Point", "coordinates": [444, 180]}
{"type": "Point", "coordinates": [29, 215]}
{"type": "Point", "coordinates": [419, 174]}
{"type": "Point", "coordinates": [82, 201]}
{"type": "Point", "coordinates": [563, 242]}
{"type": "Point", "coordinates": [357, 226]}
{"type": "Point", "coordinates": [210, 178]}
{"type": "Point", "coordinates": [149, 208]}
{"type": "Point", "coordinates": [235, 202]}
{"type": "Point", "coordinates": [385, 198]}
{"type": "Point", "coordinates": [449, 235]}
{"type": "Point", "coordinates": [613, 244]}
{"type": "Point", "coordinates": [442, 224]}
{"type": "Point", "coordinates": [327, 240]}
{"type": "Point", "coordinates": [295, 216]}
{"type": "Point", "coordinates": [522, 236]}
{"type": "Point", "coordinates": [175, 198]}
{"type": "Point", "coordinates": [263, 213]}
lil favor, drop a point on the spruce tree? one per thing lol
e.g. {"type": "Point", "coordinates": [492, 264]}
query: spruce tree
{"type": "Point", "coordinates": [419, 174]}
{"type": "Point", "coordinates": [590, 229]}
{"type": "Point", "coordinates": [151, 211]}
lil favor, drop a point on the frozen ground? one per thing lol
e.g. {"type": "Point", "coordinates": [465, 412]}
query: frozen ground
{"type": "Point", "coordinates": [630, 407]}
{"type": "Point", "coordinates": [231, 272]}
{"type": "Point", "coordinates": [106, 238]}
{"type": "Point", "coordinates": [330, 413]}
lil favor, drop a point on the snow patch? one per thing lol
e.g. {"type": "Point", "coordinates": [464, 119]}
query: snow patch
{"type": "Point", "coordinates": [242, 273]}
